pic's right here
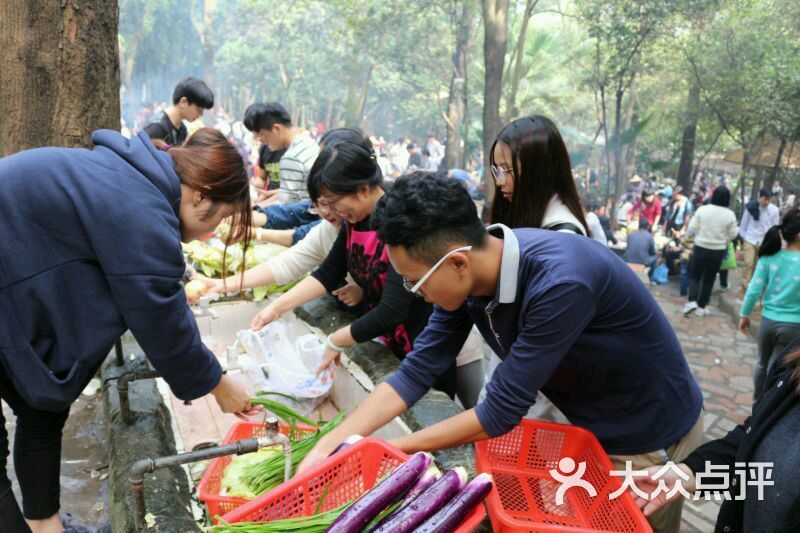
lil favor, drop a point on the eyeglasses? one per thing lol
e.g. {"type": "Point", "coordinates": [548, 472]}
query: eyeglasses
{"type": "Point", "coordinates": [413, 287]}
{"type": "Point", "coordinates": [319, 207]}
{"type": "Point", "coordinates": [330, 204]}
{"type": "Point", "coordinates": [500, 174]}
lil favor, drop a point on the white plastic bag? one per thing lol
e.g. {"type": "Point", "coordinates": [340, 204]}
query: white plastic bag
{"type": "Point", "coordinates": [289, 367]}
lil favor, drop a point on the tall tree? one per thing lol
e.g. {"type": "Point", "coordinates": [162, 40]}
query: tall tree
{"type": "Point", "coordinates": [689, 137]}
{"type": "Point", "coordinates": [458, 88]}
{"type": "Point", "coordinates": [495, 41]}
{"type": "Point", "coordinates": [203, 22]}
{"type": "Point", "coordinates": [518, 59]}
{"type": "Point", "coordinates": [60, 72]}
{"type": "Point", "coordinates": [623, 30]}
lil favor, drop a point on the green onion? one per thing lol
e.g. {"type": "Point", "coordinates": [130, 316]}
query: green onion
{"type": "Point", "coordinates": [317, 523]}
{"type": "Point", "coordinates": [289, 415]}
{"type": "Point", "coordinates": [268, 474]}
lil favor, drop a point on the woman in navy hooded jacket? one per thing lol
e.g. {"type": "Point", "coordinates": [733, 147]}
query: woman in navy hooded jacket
{"type": "Point", "coordinates": [90, 249]}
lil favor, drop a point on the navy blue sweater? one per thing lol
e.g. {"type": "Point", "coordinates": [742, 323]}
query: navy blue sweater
{"type": "Point", "coordinates": [91, 247]}
{"type": "Point", "coordinates": [570, 319]}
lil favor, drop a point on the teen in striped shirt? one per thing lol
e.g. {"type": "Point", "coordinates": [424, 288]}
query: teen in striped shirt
{"type": "Point", "coordinates": [271, 124]}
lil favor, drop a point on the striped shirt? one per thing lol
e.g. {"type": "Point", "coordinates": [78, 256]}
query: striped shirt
{"type": "Point", "coordinates": [294, 167]}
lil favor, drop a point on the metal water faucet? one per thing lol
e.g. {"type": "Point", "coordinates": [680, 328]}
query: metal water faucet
{"type": "Point", "coordinates": [232, 357]}
{"type": "Point", "coordinates": [272, 437]}
{"type": "Point", "coordinates": [204, 306]}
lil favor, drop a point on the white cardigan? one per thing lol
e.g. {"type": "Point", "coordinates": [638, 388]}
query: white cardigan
{"type": "Point", "coordinates": [713, 227]}
{"type": "Point", "coordinates": [306, 255]}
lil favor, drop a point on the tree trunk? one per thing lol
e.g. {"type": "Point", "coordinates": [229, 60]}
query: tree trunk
{"type": "Point", "coordinates": [60, 72]}
{"type": "Point", "coordinates": [629, 155]}
{"type": "Point", "coordinates": [495, 40]}
{"type": "Point", "coordinates": [329, 114]}
{"type": "Point", "coordinates": [757, 149]}
{"type": "Point", "coordinates": [710, 148]}
{"type": "Point", "coordinates": [519, 60]}
{"type": "Point", "coordinates": [741, 185]}
{"type": "Point", "coordinates": [205, 28]}
{"type": "Point", "coordinates": [457, 97]}
{"type": "Point", "coordinates": [617, 144]}
{"type": "Point", "coordinates": [689, 138]}
{"type": "Point", "coordinates": [773, 174]}
{"type": "Point", "coordinates": [357, 91]}
{"type": "Point", "coordinates": [607, 153]}
{"type": "Point", "coordinates": [467, 118]}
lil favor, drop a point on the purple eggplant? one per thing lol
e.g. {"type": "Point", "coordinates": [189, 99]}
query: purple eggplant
{"type": "Point", "coordinates": [427, 479]}
{"type": "Point", "coordinates": [346, 443]}
{"type": "Point", "coordinates": [451, 515]}
{"type": "Point", "coordinates": [391, 489]}
{"type": "Point", "coordinates": [425, 505]}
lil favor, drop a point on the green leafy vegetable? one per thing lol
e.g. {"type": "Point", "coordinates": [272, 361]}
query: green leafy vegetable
{"type": "Point", "coordinates": [232, 483]}
{"type": "Point", "coordinates": [317, 523]}
{"type": "Point", "coordinates": [268, 474]}
{"type": "Point", "coordinates": [209, 259]}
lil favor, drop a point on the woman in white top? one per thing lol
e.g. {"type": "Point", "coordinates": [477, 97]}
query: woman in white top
{"type": "Point", "coordinates": [713, 227]}
{"type": "Point", "coordinates": [532, 171]}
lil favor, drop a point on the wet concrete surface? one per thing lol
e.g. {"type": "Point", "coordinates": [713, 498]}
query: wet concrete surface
{"type": "Point", "coordinates": [84, 461]}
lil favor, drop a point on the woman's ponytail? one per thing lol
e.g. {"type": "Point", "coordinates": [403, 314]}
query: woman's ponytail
{"type": "Point", "coordinates": [771, 244]}
{"type": "Point", "coordinates": [788, 229]}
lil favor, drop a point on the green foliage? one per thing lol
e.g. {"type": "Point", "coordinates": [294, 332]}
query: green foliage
{"type": "Point", "coordinates": [387, 67]}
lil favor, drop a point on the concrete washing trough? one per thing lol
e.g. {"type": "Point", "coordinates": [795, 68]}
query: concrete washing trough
{"type": "Point", "coordinates": [163, 425]}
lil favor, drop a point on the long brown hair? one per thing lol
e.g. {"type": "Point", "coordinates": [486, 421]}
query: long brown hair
{"type": "Point", "coordinates": [793, 359]}
{"type": "Point", "coordinates": [210, 165]}
{"type": "Point", "coordinates": [541, 169]}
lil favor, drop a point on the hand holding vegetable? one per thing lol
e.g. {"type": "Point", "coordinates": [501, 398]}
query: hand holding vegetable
{"type": "Point", "coordinates": [209, 286]}
{"type": "Point", "coordinates": [194, 290]}
{"type": "Point", "coordinates": [233, 397]}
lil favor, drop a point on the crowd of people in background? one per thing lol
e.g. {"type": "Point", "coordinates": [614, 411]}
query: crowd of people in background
{"type": "Point", "coordinates": [175, 122]}
{"type": "Point", "coordinates": [695, 236]}
{"type": "Point", "coordinates": [335, 197]}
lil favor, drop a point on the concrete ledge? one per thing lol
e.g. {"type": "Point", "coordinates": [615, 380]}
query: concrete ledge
{"type": "Point", "coordinates": [166, 491]}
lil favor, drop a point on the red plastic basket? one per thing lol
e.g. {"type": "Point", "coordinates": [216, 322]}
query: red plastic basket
{"type": "Point", "coordinates": [524, 495]}
{"type": "Point", "coordinates": [341, 478]}
{"type": "Point", "coordinates": [208, 490]}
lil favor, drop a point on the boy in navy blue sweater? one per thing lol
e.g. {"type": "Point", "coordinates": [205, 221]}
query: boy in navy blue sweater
{"type": "Point", "coordinates": [563, 312]}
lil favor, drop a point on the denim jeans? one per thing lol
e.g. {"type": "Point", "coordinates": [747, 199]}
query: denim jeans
{"type": "Point", "coordinates": [684, 277]}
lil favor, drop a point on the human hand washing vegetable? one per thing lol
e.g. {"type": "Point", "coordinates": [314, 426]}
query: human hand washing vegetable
{"type": "Point", "coordinates": [233, 396]}
{"type": "Point", "coordinates": [200, 286]}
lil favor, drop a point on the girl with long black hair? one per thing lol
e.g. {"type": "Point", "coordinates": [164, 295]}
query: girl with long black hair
{"type": "Point", "coordinates": [535, 188]}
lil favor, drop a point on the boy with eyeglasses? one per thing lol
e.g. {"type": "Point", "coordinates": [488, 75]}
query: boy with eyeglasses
{"type": "Point", "coordinates": [565, 315]}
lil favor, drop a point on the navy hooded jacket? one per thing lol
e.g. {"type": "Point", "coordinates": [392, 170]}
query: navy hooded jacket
{"type": "Point", "coordinates": [91, 247]}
